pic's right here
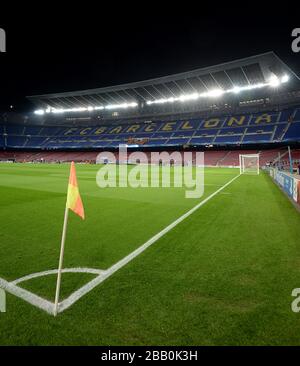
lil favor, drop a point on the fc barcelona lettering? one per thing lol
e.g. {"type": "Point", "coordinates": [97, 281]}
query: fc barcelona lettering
{"type": "Point", "coordinates": [173, 126]}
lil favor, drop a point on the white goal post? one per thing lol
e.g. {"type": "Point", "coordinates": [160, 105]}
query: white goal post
{"type": "Point", "coordinates": [249, 164]}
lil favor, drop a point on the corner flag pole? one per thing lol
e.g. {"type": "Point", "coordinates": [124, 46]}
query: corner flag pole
{"type": "Point", "coordinates": [61, 260]}
{"type": "Point", "coordinates": [74, 203]}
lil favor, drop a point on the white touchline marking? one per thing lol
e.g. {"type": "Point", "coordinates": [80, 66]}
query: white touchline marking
{"type": "Point", "coordinates": [28, 296]}
{"type": "Point", "coordinates": [48, 306]}
{"type": "Point", "coordinates": [211, 184]}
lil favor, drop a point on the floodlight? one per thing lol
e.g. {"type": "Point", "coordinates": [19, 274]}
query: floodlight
{"type": "Point", "coordinates": [236, 90]}
{"type": "Point", "coordinates": [215, 93]}
{"type": "Point", "coordinates": [57, 110]}
{"type": "Point", "coordinates": [39, 112]}
{"type": "Point", "coordinates": [84, 109]}
{"type": "Point", "coordinates": [274, 81]}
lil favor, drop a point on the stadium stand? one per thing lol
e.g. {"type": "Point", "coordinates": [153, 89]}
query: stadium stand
{"type": "Point", "coordinates": [252, 128]}
{"type": "Point", "coordinates": [251, 115]}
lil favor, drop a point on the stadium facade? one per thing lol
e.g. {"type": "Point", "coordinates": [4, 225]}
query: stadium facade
{"type": "Point", "coordinates": [252, 103]}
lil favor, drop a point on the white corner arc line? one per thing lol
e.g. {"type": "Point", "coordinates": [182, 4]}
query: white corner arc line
{"type": "Point", "coordinates": [33, 299]}
{"type": "Point", "coordinates": [114, 268]}
{"type": "Point", "coordinates": [54, 271]}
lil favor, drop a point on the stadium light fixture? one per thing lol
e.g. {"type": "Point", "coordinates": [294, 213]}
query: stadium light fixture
{"type": "Point", "coordinates": [121, 106]}
{"type": "Point", "coordinates": [40, 112]}
{"type": "Point", "coordinates": [213, 93]}
{"type": "Point", "coordinates": [181, 98]}
{"type": "Point", "coordinates": [187, 97]}
{"type": "Point", "coordinates": [184, 97]}
{"type": "Point", "coordinates": [235, 90]}
{"type": "Point", "coordinates": [274, 81]}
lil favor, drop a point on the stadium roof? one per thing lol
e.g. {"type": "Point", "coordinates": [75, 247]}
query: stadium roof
{"type": "Point", "coordinates": [244, 72]}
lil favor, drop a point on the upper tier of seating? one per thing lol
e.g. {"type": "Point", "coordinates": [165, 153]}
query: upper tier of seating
{"type": "Point", "coordinates": [234, 129]}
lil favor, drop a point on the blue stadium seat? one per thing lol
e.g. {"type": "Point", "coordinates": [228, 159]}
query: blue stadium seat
{"type": "Point", "coordinates": [297, 116]}
{"type": "Point", "coordinates": [251, 128]}
{"type": "Point", "coordinates": [178, 141]}
{"type": "Point", "coordinates": [259, 129]}
{"type": "Point", "coordinates": [279, 131]}
{"type": "Point", "coordinates": [228, 139]}
{"type": "Point", "coordinates": [293, 133]}
{"type": "Point", "coordinates": [183, 133]}
{"type": "Point", "coordinates": [201, 140]}
{"type": "Point", "coordinates": [257, 138]}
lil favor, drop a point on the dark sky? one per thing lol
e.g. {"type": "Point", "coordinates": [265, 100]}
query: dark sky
{"type": "Point", "coordinates": [54, 50]}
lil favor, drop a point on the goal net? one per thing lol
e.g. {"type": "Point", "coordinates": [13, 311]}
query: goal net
{"type": "Point", "coordinates": [249, 164]}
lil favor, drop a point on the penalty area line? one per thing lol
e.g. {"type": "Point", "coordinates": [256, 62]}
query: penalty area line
{"type": "Point", "coordinates": [114, 268]}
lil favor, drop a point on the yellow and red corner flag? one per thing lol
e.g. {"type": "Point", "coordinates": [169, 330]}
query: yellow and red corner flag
{"type": "Point", "coordinates": [74, 201]}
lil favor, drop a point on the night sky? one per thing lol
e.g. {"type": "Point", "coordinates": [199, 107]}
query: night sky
{"type": "Point", "coordinates": [52, 51]}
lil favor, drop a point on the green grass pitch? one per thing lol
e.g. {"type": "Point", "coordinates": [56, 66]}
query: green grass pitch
{"type": "Point", "coordinates": [223, 276]}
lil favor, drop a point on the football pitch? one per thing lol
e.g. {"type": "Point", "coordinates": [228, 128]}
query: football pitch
{"type": "Point", "coordinates": [222, 276]}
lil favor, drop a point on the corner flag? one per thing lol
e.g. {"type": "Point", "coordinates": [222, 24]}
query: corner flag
{"type": "Point", "coordinates": [74, 203]}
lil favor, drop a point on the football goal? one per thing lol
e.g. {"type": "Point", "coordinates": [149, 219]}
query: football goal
{"type": "Point", "coordinates": [249, 164]}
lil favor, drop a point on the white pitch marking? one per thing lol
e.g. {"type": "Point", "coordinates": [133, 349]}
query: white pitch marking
{"type": "Point", "coordinates": [96, 281]}
{"type": "Point", "coordinates": [54, 271]}
{"type": "Point", "coordinates": [48, 306]}
{"type": "Point", "coordinates": [28, 296]}
{"type": "Point", "coordinates": [34, 299]}
{"type": "Point", "coordinates": [212, 185]}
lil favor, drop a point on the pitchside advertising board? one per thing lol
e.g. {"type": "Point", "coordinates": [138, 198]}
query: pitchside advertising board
{"type": "Point", "coordinates": [290, 185]}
